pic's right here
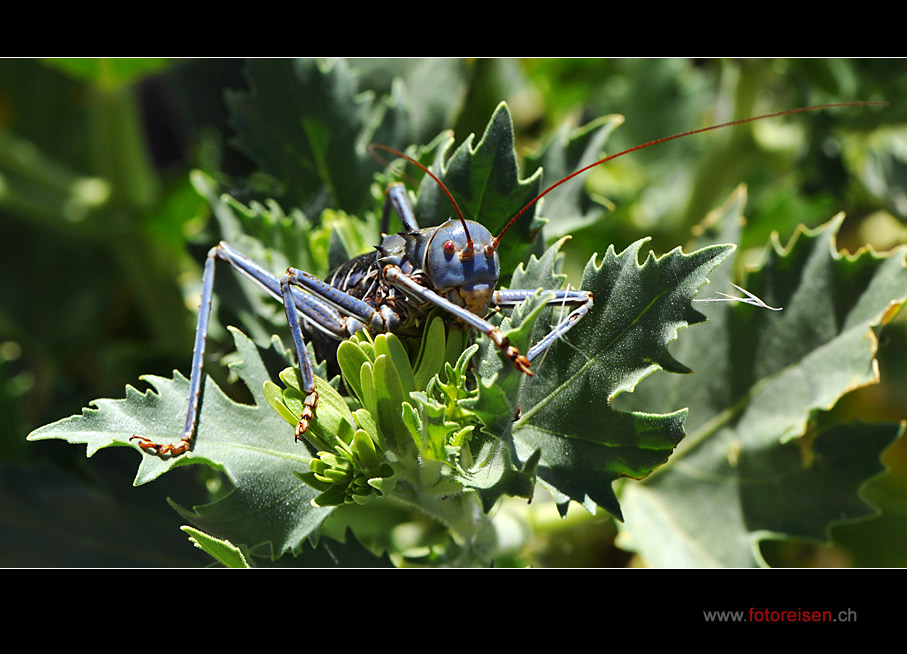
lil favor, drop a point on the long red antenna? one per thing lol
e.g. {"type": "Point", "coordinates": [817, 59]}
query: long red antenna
{"type": "Point", "coordinates": [497, 239]}
{"type": "Point", "coordinates": [468, 250]}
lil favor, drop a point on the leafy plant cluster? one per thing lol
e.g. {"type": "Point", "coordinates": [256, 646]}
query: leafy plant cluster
{"type": "Point", "coordinates": [422, 445]}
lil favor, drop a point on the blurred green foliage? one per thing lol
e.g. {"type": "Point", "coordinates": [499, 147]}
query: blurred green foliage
{"type": "Point", "coordinates": [103, 234]}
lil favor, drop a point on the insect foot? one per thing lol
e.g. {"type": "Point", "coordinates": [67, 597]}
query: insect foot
{"type": "Point", "coordinates": [308, 413]}
{"type": "Point", "coordinates": [519, 360]}
{"type": "Point", "coordinates": [173, 449]}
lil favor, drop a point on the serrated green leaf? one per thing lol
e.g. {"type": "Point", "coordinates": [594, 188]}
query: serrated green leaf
{"type": "Point", "coordinates": [434, 88]}
{"type": "Point", "coordinates": [878, 542]}
{"type": "Point", "coordinates": [252, 444]}
{"type": "Point", "coordinates": [306, 123]}
{"type": "Point", "coordinates": [497, 475]}
{"type": "Point", "coordinates": [500, 382]}
{"type": "Point", "coordinates": [566, 406]}
{"type": "Point", "coordinates": [752, 467]}
{"type": "Point", "coordinates": [330, 553]}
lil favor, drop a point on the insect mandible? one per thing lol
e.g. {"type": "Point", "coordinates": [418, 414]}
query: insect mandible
{"type": "Point", "coordinates": [453, 266]}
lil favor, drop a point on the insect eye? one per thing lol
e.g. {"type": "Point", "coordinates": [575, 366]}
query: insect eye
{"type": "Point", "coordinates": [449, 247]}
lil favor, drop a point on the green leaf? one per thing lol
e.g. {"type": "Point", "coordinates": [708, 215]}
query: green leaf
{"type": "Point", "coordinates": [351, 358]}
{"type": "Point", "coordinates": [306, 123]}
{"type": "Point", "coordinates": [754, 466]}
{"type": "Point", "coordinates": [570, 150]}
{"type": "Point", "coordinates": [497, 475]}
{"type": "Point", "coordinates": [500, 382]}
{"type": "Point", "coordinates": [877, 542]}
{"type": "Point", "coordinates": [693, 516]}
{"type": "Point", "coordinates": [434, 88]}
{"type": "Point", "coordinates": [330, 553]}
{"type": "Point", "coordinates": [252, 444]}
{"type": "Point", "coordinates": [391, 347]}
{"type": "Point", "coordinates": [431, 354]}
{"type": "Point", "coordinates": [566, 406]}
{"type": "Point", "coordinates": [222, 550]}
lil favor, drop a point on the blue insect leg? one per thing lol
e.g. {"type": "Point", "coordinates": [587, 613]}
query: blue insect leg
{"type": "Point", "coordinates": [306, 378]}
{"type": "Point", "coordinates": [344, 302]}
{"type": "Point", "coordinates": [397, 199]}
{"type": "Point", "coordinates": [319, 314]}
{"type": "Point", "coordinates": [195, 381]}
{"type": "Point", "coordinates": [583, 298]}
{"type": "Point", "coordinates": [353, 308]}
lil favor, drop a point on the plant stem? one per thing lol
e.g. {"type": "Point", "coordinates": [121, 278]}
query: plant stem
{"type": "Point", "coordinates": [462, 514]}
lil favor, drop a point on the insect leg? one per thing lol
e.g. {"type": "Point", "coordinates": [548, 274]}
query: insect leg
{"type": "Point", "coordinates": [319, 313]}
{"type": "Point", "coordinates": [198, 354]}
{"type": "Point", "coordinates": [583, 298]}
{"type": "Point", "coordinates": [397, 199]}
{"type": "Point", "coordinates": [338, 302]}
{"type": "Point", "coordinates": [307, 378]}
{"type": "Point", "coordinates": [395, 276]}
{"type": "Point", "coordinates": [373, 319]}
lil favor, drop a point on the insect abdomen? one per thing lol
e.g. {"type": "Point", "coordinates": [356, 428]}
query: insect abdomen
{"type": "Point", "coordinates": [357, 276]}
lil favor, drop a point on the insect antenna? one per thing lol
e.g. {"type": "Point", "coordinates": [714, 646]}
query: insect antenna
{"type": "Point", "coordinates": [469, 250]}
{"type": "Point", "coordinates": [497, 239]}
{"type": "Point", "coordinates": [372, 148]}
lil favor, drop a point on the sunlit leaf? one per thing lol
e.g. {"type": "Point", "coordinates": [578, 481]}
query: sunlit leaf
{"type": "Point", "coordinates": [754, 465]}
{"type": "Point", "coordinates": [250, 443]}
